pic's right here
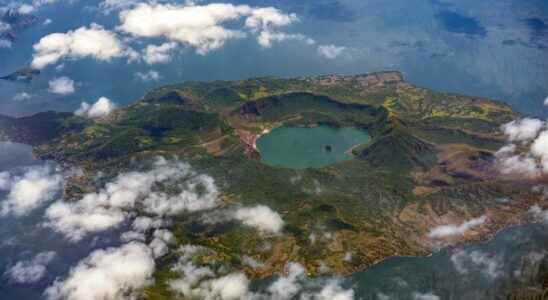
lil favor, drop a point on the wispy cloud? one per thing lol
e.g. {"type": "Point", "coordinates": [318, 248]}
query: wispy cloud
{"type": "Point", "coordinates": [30, 271]}
{"type": "Point", "coordinates": [110, 206]}
{"type": "Point", "coordinates": [477, 261]}
{"type": "Point", "coordinates": [62, 86]}
{"type": "Point", "coordinates": [451, 230]}
{"type": "Point", "coordinates": [425, 296]}
{"type": "Point", "coordinates": [148, 76]}
{"type": "Point", "coordinates": [331, 51]}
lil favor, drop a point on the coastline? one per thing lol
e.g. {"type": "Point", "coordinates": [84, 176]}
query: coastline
{"type": "Point", "coordinates": [481, 241]}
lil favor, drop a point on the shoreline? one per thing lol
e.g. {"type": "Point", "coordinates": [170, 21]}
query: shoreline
{"type": "Point", "coordinates": [479, 241]}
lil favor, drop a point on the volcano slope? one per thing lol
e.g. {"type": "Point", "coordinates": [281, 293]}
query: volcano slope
{"type": "Point", "coordinates": [430, 162]}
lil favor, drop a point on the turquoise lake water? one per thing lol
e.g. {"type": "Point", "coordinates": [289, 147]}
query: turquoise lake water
{"type": "Point", "coordinates": [303, 147]}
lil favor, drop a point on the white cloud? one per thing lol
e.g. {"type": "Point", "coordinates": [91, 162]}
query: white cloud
{"type": "Point", "coordinates": [5, 43]}
{"type": "Point", "coordinates": [196, 26]}
{"type": "Point", "coordinates": [27, 192]}
{"type": "Point", "coordinates": [159, 244]}
{"type": "Point", "coordinates": [21, 96]}
{"type": "Point", "coordinates": [331, 51]}
{"type": "Point", "coordinates": [204, 27]}
{"type": "Point", "coordinates": [100, 109]}
{"type": "Point", "coordinates": [187, 200]}
{"type": "Point", "coordinates": [230, 287]}
{"type": "Point", "coordinates": [202, 282]}
{"type": "Point", "coordinates": [47, 22]}
{"type": "Point", "coordinates": [5, 180]}
{"type": "Point", "coordinates": [294, 282]}
{"type": "Point", "coordinates": [348, 256]}
{"type": "Point", "coordinates": [158, 54]}
{"type": "Point", "coordinates": [4, 26]}
{"type": "Point", "coordinates": [539, 148]}
{"type": "Point", "coordinates": [382, 296]}
{"type": "Point", "coordinates": [267, 17]}
{"type": "Point", "coordinates": [159, 248]}
{"type": "Point", "coordinates": [62, 86]}
{"type": "Point", "coordinates": [76, 220]}
{"type": "Point", "coordinates": [333, 291]}
{"type": "Point", "coordinates": [546, 101]}
{"type": "Point", "coordinates": [25, 9]}
{"type": "Point", "coordinates": [531, 159]}
{"type": "Point", "coordinates": [261, 217]}
{"type": "Point", "coordinates": [110, 206]}
{"type": "Point", "coordinates": [522, 130]}
{"type": "Point", "coordinates": [95, 42]}
{"type": "Point", "coordinates": [288, 285]}
{"type": "Point", "coordinates": [267, 37]}
{"type": "Point", "coordinates": [234, 286]}
{"type": "Point", "coordinates": [191, 275]}
{"type": "Point", "coordinates": [114, 273]}
{"type": "Point", "coordinates": [538, 212]}
{"type": "Point", "coordinates": [148, 76]}
{"type": "Point", "coordinates": [30, 271]}
{"type": "Point", "coordinates": [510, 163]}
{"type": "Point", "coordinates": [82, 109]}
{"type": "Point", "coordinates": [451, 230]}
{"type": "Point", "coordinates": [129, 236]}
{"type": "Point", "coordinates": [109, 5]}
{"type": "Point", "coordinates": [506, 150]}
{"type": "Point", "coordinates": [477, 262]}
{"type": "Point", "coordinates": [143, 224]}
{"type": "Point", "coordinates": [251, 262]}
{"type": "Point", "coordinates": [38, 3]}
{"type": "Point", "coordinates": [264, 20]}
{"type": "Point", "coordinates": [425, 296]}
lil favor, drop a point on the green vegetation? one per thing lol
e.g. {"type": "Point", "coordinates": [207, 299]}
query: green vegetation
{"type": "Point", "coordinates": [421, 162]}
